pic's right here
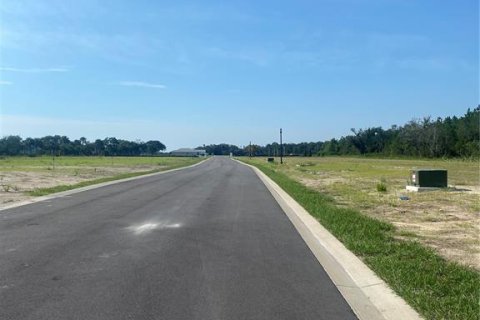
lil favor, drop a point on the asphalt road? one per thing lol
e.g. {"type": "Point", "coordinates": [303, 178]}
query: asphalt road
{"type": "Point", "coordinates": [207, 242]}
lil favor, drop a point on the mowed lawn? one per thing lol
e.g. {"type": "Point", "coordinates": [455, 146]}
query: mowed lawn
{"type": "Point", "coordinates": [24, 177]}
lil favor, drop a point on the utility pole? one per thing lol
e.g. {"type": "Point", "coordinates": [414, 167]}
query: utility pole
{"type": "Point", "coordinates": [250, 149]}
{"type": "Point", "coordinates": [281, 147]}
{"type": "Point", "coordinates": [53, 160]}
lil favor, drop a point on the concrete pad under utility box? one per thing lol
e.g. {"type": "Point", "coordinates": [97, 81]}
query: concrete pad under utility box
{"type": "Point", "coordinates": [420, 189]}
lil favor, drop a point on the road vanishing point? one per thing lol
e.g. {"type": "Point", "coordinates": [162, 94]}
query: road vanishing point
{"type": "Point", "coordinates": [205, 242]}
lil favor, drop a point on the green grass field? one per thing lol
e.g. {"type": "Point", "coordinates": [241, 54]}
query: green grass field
{"type": "Point", "coordinates": [436, 287]}
{"type": "Point", "coordinates": [37, 176]}
{"type": "Point", "coordinates": [64, 163]}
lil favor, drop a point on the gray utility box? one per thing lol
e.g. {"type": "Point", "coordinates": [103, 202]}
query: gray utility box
{"type": "Point", "coordinates": [429, 178]}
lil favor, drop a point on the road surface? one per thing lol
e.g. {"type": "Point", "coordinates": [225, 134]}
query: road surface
{"type": "Point", "coordinates": [207, 242]}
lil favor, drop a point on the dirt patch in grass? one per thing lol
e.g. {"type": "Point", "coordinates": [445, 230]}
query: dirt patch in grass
{"type": "Point", "coordinates": [15, 184]}
{"type": "Point", "coordinates": [444, 220]}
{"type": "Point", "coordinates": [21, 175]}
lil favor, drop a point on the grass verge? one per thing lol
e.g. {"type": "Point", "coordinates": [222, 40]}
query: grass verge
{"type": "Point", "coordinates": [436, 288]}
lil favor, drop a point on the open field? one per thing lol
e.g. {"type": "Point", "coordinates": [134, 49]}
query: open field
{"type": "Point", "coordinates": [446, 220]}
{"type": "Point", "coordinates": [24, 177]}
{"type": "Point", "coordinates": [434, 286]}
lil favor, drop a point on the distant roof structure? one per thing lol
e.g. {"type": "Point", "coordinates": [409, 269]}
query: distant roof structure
{"type": "Point", "coordinates": [188, 152]}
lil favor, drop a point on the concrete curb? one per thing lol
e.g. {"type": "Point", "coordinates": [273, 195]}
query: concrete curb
{"type": "Point", "coordinates": [93, 186]}
{"type": "Point", "coordinates": [368, 295]}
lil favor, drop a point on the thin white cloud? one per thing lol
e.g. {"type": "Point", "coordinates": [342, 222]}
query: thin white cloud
{"type": "Point", "coordinates": [2, 82]}
{"type": "Point", "coordinates": [34, 70]}
{"type": "Point", "coordinates": [140, 84]}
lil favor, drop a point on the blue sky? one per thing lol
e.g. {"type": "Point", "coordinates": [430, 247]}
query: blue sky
{"type": "Point", "coordinates": [189, 73]}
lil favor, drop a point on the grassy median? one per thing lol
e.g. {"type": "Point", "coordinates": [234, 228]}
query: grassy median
{"type": "Point", "coordinates": [436, 288]}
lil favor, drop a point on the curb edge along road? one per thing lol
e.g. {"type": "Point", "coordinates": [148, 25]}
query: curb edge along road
{"type": "Point", "coordinates": [93, 186]}
{"type": "Point", "coordinates": [368, 295]}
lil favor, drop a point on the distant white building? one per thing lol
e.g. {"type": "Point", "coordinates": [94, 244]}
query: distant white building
{"type": "Point", "coordinates": [187, 152]}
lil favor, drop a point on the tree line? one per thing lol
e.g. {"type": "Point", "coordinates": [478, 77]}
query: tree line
{"type": "Point", "coordinates": [430, 138]}
{"type": "Point", "coordinates": [63, 146]}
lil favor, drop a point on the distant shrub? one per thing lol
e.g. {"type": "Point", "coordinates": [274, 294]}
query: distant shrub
{"type": "Point", "coordinates": [381, 186]}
